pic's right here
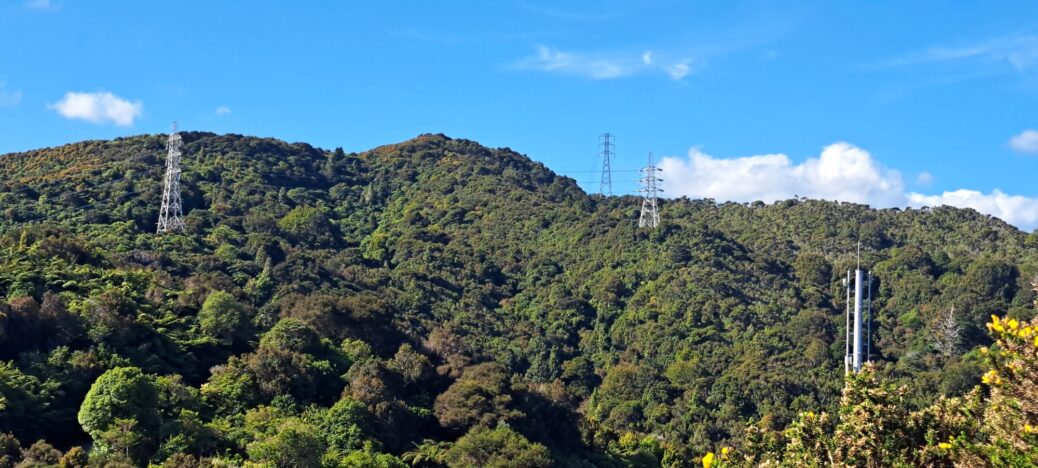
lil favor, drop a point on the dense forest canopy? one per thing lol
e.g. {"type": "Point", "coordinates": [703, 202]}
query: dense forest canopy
{"type": "Point", "coordinates": [436, 302]}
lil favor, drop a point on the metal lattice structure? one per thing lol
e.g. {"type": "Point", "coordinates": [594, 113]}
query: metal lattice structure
{"type": "Point", "coordinates": [171, 213]}
{"type": "Point", "coordinates": [650, 216]}
{"type": "Point", "coordinates": [606, 185]}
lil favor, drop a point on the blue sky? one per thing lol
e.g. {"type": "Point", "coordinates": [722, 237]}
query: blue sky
{"type": "Point", "coordinates": [888, 103]}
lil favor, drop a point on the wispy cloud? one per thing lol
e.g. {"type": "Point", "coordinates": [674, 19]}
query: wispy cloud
{"type": "Point", "coordinates": [676, 57]}
{"type": "Point", "coordinates": [101, 107]}
{"type": "Point", "coordinates": [1026, 142]}
{"type": "Point", "coordinates": [602, 66]}
{"type": "Point", "coordinates": [45, 5]}
{"type": "Point", "coordinates": [841, 172]}
{"type": "Point", "coordinates": [1017, 52]}
{"type": "Point", "coordinates": [9, 98]}
{"type": "Point", "coordinates": [555, 61]}
{"type": "Point", "coordinates": [222, 110]}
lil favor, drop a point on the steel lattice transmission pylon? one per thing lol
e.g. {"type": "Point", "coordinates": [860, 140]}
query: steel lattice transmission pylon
{"type": "Point", "coordinates": [171, 213]}
{"type": "Point", "coordinates": [605, 187]}
{"type": "Point", "coordinates": [650, 216]}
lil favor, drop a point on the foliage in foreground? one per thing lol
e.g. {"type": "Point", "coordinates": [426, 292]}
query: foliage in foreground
{"type": "Point", "coordinates": [994, 425]}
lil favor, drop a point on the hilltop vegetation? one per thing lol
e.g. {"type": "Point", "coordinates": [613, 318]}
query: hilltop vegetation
{"type": "Point", "coordinates": [436, 302]}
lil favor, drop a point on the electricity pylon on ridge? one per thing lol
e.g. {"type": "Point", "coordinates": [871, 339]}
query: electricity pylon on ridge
{"type": "Point", "coordinates": [605, 186]}
{"type": "Point", "coordinates": [650, 216]}
{"type": "Point", "coordinates": [171, 212]}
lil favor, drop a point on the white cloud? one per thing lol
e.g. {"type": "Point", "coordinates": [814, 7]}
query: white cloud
{"type": "Point", "coordinates": [1026, 142]}
{"type": "Point", "coordinates": [99, 107]}
{"type": "Point", "coordinates": [601, 66]}
{"type": "Point", "coordinates": [9, 98]}
{"type": "Point", "coordinates": [841, 172]}
{"type": "Point", "coordinates": [223, 110]}
{"type": "Point", "coordinates": [924, 178]}
{"type": "Point", "coordinates": [1014, 209]}
{"type": "Point", "coordinates": [678, 70]}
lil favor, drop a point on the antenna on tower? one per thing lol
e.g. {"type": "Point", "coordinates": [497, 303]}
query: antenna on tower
{"type": "Point", "coordinates": [605, 187]}
{"type": "Point", "coordinates": [171, 212]}
{"type": "Point", "coordinates": [650, 216]}
{"type": "Point", "coordinates": [859, 317]}
{"type": "Point", "coordinates": [859, 253]}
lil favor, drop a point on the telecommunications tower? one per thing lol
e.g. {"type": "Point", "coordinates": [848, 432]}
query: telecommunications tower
{"type": "Point", "coordinates": [605, 187]}
{"type": "Point", "coordinates": [859, 318]}
{"type": "Point", "coordinates": [650, 216]}
{"type": "Point", "coordinates": [171, 212]}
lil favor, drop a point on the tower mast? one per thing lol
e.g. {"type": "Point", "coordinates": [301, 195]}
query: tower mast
{"type": "Point", "coordinates": [650, 216]}
{"type": "Point", "coordinates": [171, 212]}
{"type": "Point", "coordinates": [859, 318]}
{"type": "Point", "coordinates": [605, 186]}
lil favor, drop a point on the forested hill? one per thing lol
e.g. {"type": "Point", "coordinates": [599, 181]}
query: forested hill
{"type": "Point", "coordinates": [426, 300]}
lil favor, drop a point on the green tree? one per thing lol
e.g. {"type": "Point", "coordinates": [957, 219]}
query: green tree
{"type": "Point", "coordinates": [309, 225]}
{"type": "Point", "coordinates": [499, 447]}
{"type": "Point", "coordinates": [369, 458]}
{"type": "Point", "coordinates": [480, 397]}
{"type": "Point", "coordinates": [345, 425]}
{"type": "Point", "coordinates": [40, 454]}
{"type": "Point", "coordinates": [292, 335]}
{"type": "Point", "coordinates": [76, 457]}
{"type": "Point", "coordinates": [224, 318]}
{"type": "Point", "coordinates": [10, 450]}
{"type": "Point", "coordinates": [120, 412]}
{"type": "Point", "coordinates": [25, 402]}
{"type": "Point", "coordinates": [294, 444]}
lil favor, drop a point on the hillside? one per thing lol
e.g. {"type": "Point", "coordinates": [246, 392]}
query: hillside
{"type": "Point", "coordinates": [426, 298]}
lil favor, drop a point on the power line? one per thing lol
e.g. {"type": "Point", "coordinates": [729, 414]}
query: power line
{"type": "Point", "coordinates": [597, 171]}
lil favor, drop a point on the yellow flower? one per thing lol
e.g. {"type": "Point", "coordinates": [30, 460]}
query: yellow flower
{"type": "Point", "coordinates": [1028, 428]}
{"type": "Point", "coordinates": [708, 460]}
{"type": "Point", "coordinates": [990, 378]}
{"type": "Point", "coordinates": [996, 324]}
{"type": "Point", "coordinates": [725, 451]}
{"type": "Point", "coordinates": [1013, 324]}
{"type": "Point", "coordinates": [944, 445]}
